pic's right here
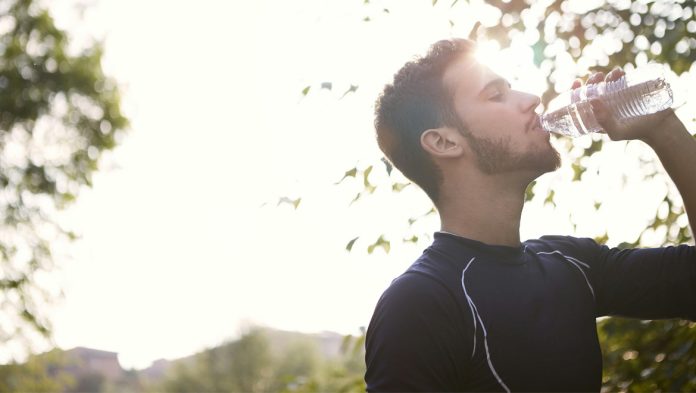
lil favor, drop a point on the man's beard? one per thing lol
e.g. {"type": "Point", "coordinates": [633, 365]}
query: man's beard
{"type": "Point", "coordinates": [495, 157]}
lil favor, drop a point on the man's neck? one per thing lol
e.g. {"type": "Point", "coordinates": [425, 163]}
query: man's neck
{"type": "Point", "coordinates": [489, 213]}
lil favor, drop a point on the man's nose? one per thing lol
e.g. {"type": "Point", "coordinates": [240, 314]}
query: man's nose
{"type": "Point", "coordinates": [529, 102]}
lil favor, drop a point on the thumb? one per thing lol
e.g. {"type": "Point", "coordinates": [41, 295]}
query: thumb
{"type": "Point", "coordinates": [603, 115]}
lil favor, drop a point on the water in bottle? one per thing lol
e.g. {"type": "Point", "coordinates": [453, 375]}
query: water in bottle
{"type": "Point", "coordinates": [633, 95]}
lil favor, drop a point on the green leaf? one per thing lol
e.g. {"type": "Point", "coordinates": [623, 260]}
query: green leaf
{"type": "Point", "coordinates": [349, 173]}
{"type": "Point", "coordinates": [412, 239]}
{"type": "Point", "coordinates": [306, 90]}
{"type": "Point", "coordinates": [602, 239]}
{"type": "Point", "coordinates": [578, 170]}
{"type": "Point", "coordinates": [351, 89]}
{"type": "Point", "coordinates": [397, 187]}
{"type": "Point", "coordinates": [381, 242]}
{"type": "Point", "coordinates": [294, 202]}
{"type": "Point", "coordinates": [366, 174]}
{"type": "Point", "coordinates": [594, 147]}
{"type": "Point", "coordinates": [538, 50]}
{"type": "Point", "coordinates": [529, 192]}
{"type": "Point", "coordinates": [350, 244]}
{"type": "Point", "coordinates": [550, 197]}
{"type": "Point", "coordinates": [355, 199]}
{"type": "Point", "coordinates": [388, 165]}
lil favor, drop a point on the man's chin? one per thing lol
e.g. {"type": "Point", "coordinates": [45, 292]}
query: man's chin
{"type": "Point", "coordinates": [542, 162]}
{"type": "Point", "coordinates": [495, 157]}
{"type": "Point", "coordinates": [554, 161]}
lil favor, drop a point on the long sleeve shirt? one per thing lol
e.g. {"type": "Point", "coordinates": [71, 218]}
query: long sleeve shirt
{"type": "Point", "coordinates": [467, 316]}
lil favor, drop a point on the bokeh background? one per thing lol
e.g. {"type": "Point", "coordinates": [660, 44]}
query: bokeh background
{"type": "Point", "coordinates": [192, 198]}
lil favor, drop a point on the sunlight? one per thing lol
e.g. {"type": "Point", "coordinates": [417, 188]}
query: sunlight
{"type": "Point", "coordinates": [489, 54]}
{"type": "Point", "coordinates": [514, 63]}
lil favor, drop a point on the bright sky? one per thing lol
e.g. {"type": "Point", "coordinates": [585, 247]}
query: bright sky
{"type": "Point", "coordinates": [177, 252]}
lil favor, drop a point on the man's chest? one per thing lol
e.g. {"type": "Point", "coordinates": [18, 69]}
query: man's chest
{"type": "Point", "coordinates": [535, 325]}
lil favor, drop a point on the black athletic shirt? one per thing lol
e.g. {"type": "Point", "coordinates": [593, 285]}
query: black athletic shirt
{"type": "Point", "coordinates": [468, 316]}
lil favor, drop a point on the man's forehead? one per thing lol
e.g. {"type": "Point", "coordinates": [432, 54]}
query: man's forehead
{"type": "Point", "coordinates": [467, 75]}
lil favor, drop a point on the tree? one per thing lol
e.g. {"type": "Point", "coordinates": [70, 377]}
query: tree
{"type": "Point", "coordinates": [268, 361]}
{"type": "Point", "coordinates": [648, 356]}
{"type": "Point", "coordinates": [244, 365]}
{"type": "Point", "coordinates": [40, 373]}
{"type": "Point", "coordinates": [588, 36]}
{"type": "Point", "coordinates": [58, 114]}
{"type": "Point", "coordinates": [296, 367]}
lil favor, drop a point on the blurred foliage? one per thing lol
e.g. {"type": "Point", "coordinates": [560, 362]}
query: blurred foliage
{"type": "Point", "coordinates": [58, 114]}
{"type": "Point", "coordinates": [642, 356]}
{"type": "Point", "coordinates": [67, 372]}
{"type": "Point", "coordinates": [261, 360]}
{"type": "Point", "coordinates": [250, 364]}
{"type": "Point", "coordinates": [243, 365]}
{"type": "Point", "coordinates": [572, 36]}
{"type": "Point", "coordinates": [40, 373]}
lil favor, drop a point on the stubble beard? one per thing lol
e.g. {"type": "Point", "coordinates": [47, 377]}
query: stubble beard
{"type": "Point", "coordinates": [496, 157]}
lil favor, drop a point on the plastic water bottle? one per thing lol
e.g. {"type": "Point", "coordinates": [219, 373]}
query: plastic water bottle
{"type": "Point", "coordinates": [638, 93]}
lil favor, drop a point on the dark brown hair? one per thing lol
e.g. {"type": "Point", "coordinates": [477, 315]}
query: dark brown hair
{"type": "Point", "coordinates": [414, 102]}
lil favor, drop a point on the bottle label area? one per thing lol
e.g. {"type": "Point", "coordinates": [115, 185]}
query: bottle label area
{"type": "Point", "coordinates": [625, 103]}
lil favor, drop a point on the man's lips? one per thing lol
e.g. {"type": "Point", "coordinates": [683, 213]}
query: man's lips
{"type": "Point", "coordinates": [534, 123]}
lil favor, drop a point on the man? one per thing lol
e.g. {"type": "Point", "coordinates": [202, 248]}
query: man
{"type": "Point", "coordinates": [479, 310]}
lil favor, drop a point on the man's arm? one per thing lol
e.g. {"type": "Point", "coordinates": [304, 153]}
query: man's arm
{"type": "Point", "coordinates": [676, 149]}
{"type": "Point", "coordinates": [660, 282]}
{"type": "Point", "coordinates": [665, 134]}
{"type": "Point", "coordinates": [645, 283]}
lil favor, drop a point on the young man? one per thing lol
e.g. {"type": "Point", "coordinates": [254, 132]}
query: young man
{"type": "Point", "coordinates": [479, 310]}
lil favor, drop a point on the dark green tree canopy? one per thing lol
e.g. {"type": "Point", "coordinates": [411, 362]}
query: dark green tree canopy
{"type": "Point", "coordinates": [58, 114]}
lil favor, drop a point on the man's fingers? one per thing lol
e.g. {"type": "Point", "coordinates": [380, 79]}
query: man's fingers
{"type": "Point", "coordinates": [598, 77]}
{"type": "Point", "coordinates": [615, 74]}
{"type": "Point", "coordinates": [603, 115]}
{"type": "Point", "coordinates": [595, 78]}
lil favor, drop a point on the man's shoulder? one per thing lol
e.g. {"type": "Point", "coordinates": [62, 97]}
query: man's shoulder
{"type": "Point", "coordinates": [416, 284]}
{"type": "Point", "coordinates": [562, 243]}
{"type": "Point", "coordinates": [418, 293]}
{"type": "Point", "coordinates": [413, 302]}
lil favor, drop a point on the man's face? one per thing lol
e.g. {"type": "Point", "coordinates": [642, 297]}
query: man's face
{"type": "Point", "coordinates": [500, 123]}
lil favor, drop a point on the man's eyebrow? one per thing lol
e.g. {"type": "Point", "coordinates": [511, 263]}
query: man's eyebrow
{"type": "Point", "coordinates": [496, 81]}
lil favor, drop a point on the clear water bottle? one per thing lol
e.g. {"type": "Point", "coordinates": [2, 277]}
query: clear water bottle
{"type": "Point", "coordinates": [638, 93]}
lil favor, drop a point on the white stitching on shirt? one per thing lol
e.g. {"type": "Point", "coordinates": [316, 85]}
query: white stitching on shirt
{"type": "Point", "coordinates": [471, 305]}
{"type": "Point", "coordinates": [566, 257]}
{"type": "Point", "coordinates": [573, 262]}
{"type": "Point", "coordinates": [483, 328]}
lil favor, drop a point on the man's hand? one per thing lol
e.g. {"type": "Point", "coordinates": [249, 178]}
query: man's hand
{"type": "Point", "coordinates": [645, 128]}
{"type": "Point", "coordinates": [664, 133]}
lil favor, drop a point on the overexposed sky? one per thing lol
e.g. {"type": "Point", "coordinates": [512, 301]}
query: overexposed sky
{"type": "Point", "coordinates": [182, 244]}
{"type": "Point", "coordinates": [177, 251]}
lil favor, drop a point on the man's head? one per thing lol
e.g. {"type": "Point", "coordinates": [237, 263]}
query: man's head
{"type": "Point", "coordinates": [446, 110]}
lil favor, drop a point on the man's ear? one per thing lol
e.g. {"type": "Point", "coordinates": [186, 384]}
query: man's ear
{"type": "Point", "coordinates": [442, 142]}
